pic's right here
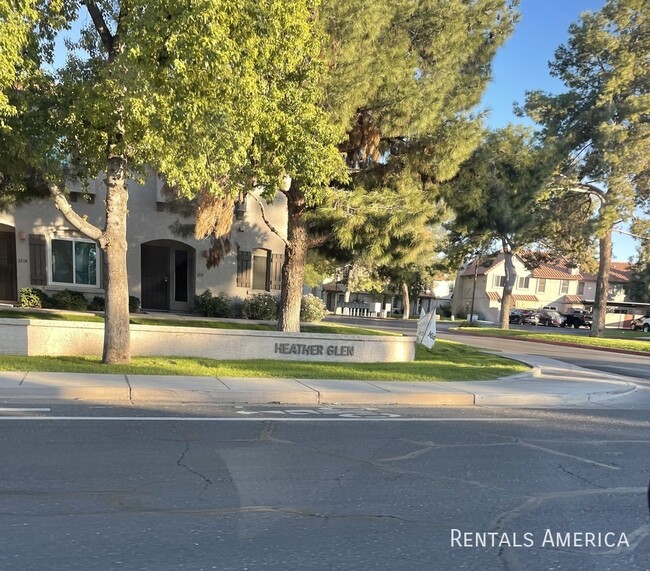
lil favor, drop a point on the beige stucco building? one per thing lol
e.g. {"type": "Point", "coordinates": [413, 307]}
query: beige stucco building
{"type": "Point", "coordinates": [555, 286]}
{"type": "Point", "coordinates": [39, 248]}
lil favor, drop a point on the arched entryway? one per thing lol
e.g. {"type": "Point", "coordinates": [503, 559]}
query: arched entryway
{"type": "Point", "coordinates": [8, 281]}
{"type": "Point", "coordinates": [167, 275]}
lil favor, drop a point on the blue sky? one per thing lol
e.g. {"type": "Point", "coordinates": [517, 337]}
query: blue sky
{"type": "Point", "coordinates": [522, 65]}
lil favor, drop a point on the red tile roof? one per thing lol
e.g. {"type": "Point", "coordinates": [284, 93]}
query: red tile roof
{"type": "Point", "coordinates": [494, 296]}
{"type": "Point", "coordinates": [572, 299]}
{"type": "Point", "coordinates": [524, 297]}
{"type": "Point", "coordinates": [620, 272]}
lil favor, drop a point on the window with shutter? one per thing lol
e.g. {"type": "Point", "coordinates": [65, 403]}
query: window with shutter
{"type": "Point", "coordinates": [244, 268]}
{"type": "Point", "coordinates": [276, 270]}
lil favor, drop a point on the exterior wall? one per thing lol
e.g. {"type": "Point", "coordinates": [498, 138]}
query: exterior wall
{"type": "Point", "coordinates": [484, 307]}
{"type": "Point", "coordinates": [552, 295]}
{"type": "Point", "coordinates": [37, 337]}
{"type": "Point", "coordinates": [148, 223]}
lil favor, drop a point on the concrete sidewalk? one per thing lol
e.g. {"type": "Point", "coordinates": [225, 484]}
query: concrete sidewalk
{"type": "Point", "coordinates": [549, 383]}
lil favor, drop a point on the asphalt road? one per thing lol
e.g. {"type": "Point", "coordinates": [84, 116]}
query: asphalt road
{"type": "Point", "coordinates": [286, 488]}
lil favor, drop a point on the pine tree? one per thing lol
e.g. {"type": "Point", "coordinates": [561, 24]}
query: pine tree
{"type": "Point", "coordinates": [601, 121]}
{"type": "Point", "coordinates": [402, 80]}
{"type": "Point", "coordinates": [496, 199]}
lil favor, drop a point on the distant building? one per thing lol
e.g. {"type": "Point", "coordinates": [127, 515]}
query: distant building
{"type": "Point", "coordinates": [556, 286]}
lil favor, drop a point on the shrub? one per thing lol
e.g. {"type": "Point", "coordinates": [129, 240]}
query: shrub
{"type": "Point", "coordinates": [444, 310]}
{"type": "Point", "coordinates": [312, 309]}
{"type": "Point", "coordinates": [33, 297]}
{"type": "Point", "coordinates": [468, 324]}
{"type": "Point", "coordinates": [237, 308]}
{"type": "Point", "coordinates": [71, 300]}
{"type": "Point", "coordinates": [134, 304]}
{"type": "Point", "coordinates": [97, 304]}
{"type": "Point", "coordinates": [262, 306]}
{"type": "Point", "coordinates": [213, 306]}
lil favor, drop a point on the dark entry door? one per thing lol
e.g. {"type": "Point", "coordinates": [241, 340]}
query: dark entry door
{"type": "Point", "coordinates": [8, 288]}
{"type": "Point", "coordinates": [155, 277]}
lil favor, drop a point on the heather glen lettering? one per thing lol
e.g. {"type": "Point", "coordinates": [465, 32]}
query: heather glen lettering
{"type": "Point", "coordinates": [304, 349]}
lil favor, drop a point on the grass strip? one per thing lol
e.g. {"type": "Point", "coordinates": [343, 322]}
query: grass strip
{"type": "Point", "coordinates": [331, 328]}
{"type": "Point", "coordinates": [605, 342]}
{"type": "Point", "coordinates": [448, 361]}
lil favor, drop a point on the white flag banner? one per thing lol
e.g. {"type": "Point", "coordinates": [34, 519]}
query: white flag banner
{"type": "Point", "coordinates": [426, 332]}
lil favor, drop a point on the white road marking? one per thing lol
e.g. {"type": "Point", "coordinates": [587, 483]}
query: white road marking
{"type": "Point", "coordinates": [11, 409]}
{"type": "Point", "coordinates": [341, 412]}
{"type": "Point", "coordinates": [258, 419]}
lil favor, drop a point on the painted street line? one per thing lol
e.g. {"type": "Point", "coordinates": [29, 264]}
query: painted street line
{"type": "Point", "coordinates": [10, 409]}
{"type": "Point", "coordinates": [343, 413]}
{"type": "Point", "coordinates": [257, 419]}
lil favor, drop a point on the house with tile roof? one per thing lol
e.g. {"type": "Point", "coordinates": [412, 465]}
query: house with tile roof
{"type": "Point", "coordinates": [552, 285]}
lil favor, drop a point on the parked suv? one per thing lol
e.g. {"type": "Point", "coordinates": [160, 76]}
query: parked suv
{"type": "Point", "coordinates": [579, 319]}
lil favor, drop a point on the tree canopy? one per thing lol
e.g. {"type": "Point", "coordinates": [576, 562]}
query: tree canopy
{"type": "Point", "coordinates": [601, 122]}
{"type": "Point", "coordinates": [213, 97]}
{"type": "Point", "coordinates": [497, 200]}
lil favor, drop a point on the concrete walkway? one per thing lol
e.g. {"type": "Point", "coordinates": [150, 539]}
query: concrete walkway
{"type": "Point", "coordinates": [549, 383]}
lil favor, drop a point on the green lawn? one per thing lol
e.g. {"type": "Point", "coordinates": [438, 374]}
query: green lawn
{"type": "Point", "coordinates": [448, 361]}
{"type": "Point", "coordinates": [612, 340]}
{"type": "Point", "coordinates": [333, 328]}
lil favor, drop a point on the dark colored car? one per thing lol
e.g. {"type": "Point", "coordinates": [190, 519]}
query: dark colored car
{"type": "Point", "coordinates": [518, 316]}
{"type": "Point", "coordinates": [579, 319]}
{"type": "Point", "coordinates": [551, 318]}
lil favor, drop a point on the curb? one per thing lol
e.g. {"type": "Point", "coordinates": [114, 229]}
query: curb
{"type": "Point", "coordinates": [560, 343]}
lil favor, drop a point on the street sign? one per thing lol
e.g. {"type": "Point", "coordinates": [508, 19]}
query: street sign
{"type": "Point", "coordinates": [426, 332]}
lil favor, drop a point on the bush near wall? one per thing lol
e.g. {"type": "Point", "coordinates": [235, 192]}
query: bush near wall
{"type": "Point", "coordinates": [33, 297]}
{"type": "Point", "coordinates": [210, 305]}
{"type": "Point", "coordinates": [312, 309]}
{"type": "Point", "coordinates": [71, 300]}
{"type": "Point", "coordinates": [262, 306]}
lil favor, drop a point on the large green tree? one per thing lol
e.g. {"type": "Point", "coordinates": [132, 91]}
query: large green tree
{"type": "Point", "coordinates": [402, 80]}
{"type": "Point", "coordinates": [16, 17]}
{"type": "Point", "coordinates": [497, 199]}
{"type": "Point", "coordinates": [602, 121]}
{"type": "Point", "coordinates": [211, 96]}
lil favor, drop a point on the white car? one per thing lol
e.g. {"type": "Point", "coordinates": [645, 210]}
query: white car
{"type": "Point", "coordinates": [641, 323]}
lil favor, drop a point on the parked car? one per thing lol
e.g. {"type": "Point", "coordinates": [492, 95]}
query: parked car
{"type": "Point", "coordinates": [518, 316]}
{"type": "Point", "coordinates": [551, 318]}
{"type": "Point", "coordinates": [531, 319]}
{"type": "Point", "coordinates": [641, 323]}
{"type": "Point", "coordinates": [579, 318]}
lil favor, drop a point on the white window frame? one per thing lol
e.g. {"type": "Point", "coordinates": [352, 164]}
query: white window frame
{"type": "Point", "coordinates": [564, 290]}
{"type": "Point", "coordinates": [498, 281]}
{"type": "Point", "coordinates": [541, 285]}
{"type": "Point", "coordinates": [525, 280]}
{"type": "Point", "coordinates": [50, 269]}
{"type": "Point", "coordinates": [581, 288]}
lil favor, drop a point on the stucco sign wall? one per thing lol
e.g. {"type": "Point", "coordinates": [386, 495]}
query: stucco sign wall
{"type": "Point", "coordinates": [40, 337]}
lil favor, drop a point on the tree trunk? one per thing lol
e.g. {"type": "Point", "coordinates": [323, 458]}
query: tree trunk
{"type": "Point", "coordinates": [602, 285]}
{"type": "Point", "coordinates": [506, 299]}
{"type": "Point", "coordinates": [406, 301]}
{"type": "Point", "coordinates": [117, 343]}
{"type": "Point", "coordinates": [295, 258]}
